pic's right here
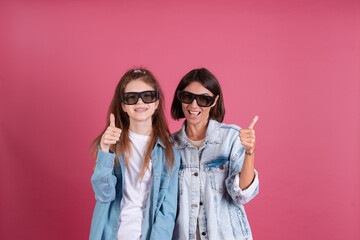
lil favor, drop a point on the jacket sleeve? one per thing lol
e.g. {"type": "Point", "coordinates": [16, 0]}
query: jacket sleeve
{"type": "Point", "coordinates": [165, 219]}
{"type": "Point", "coordinates": [237, 156]}
{"type": "Point", "coordinates": [103, 179]}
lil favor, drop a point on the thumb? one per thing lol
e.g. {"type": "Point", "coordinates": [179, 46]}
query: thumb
{"type": "Point", "coordinates": [253, 121]}
{"type": "Point", "coordinates": [112, 120]}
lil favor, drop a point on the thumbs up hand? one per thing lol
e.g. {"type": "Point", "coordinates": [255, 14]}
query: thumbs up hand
{"type": "Point", "coordinates": [110, 136]}
{"type": "Point", "coordinates": [247, 136]}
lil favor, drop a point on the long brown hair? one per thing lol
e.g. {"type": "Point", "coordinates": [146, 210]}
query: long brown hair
{"type": "Point", "coordinates": [160, 129]}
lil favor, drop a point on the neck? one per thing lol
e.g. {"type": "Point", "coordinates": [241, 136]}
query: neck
{"type": "Point", "coordinates": [197, 131]}
{"type": "Point", "coordinates": [142, 128]}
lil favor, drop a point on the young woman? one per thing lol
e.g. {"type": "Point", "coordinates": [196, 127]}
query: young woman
{"type": "Point", "coordinates": [217, 174]}
{"type": "Point", "coordinates": [136, 174]}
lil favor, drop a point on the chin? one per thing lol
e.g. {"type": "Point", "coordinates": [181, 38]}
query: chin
{"type": "Point", "coordinates": [143, 119]}
{"type": "Point", "coordinates": [193, 121]}
{"type": "Point", "coordinates": [140, 118]}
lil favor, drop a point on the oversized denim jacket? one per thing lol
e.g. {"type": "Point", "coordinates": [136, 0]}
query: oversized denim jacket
{"type": "Point", "coordinates": [209, 185]}
{"type": "Point", "coordinates": [161, 206]}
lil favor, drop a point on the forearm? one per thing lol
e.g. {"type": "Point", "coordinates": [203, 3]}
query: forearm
{"type": "Point", "coordinates": [103, 180]}
{"type": "Point", "coordinates": [247, 173]}
{"type": "Point", "coordinates": [247, 138]}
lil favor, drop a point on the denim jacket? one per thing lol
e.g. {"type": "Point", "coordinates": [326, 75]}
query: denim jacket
{"type": "Point", "coordinates": [161, 206]}
{"type": "Point", "coordinates": [209, 189]}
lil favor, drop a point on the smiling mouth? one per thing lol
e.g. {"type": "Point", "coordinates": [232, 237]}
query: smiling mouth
{"type": "Point", "coordinates": [140, 109]}
{"type": "Point", "coordinates": [193, 113]}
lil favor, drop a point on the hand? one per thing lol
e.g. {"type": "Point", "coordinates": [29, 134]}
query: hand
{"type": "Point", "coordinates": [110, 136]}
{"type": "Point", "coordinates": [247, 136]}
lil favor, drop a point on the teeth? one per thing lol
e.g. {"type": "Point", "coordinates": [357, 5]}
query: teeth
{"type": "Point", "coordinates": [194, 113]}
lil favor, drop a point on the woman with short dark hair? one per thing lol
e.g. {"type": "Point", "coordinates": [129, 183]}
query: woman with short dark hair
{"type": "Point", "coordinates": [217, 174]}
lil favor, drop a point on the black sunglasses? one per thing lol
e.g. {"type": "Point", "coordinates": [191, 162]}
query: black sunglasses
{"type": "Point", "coordinates": [201, 99]}
{"type": "Point", "coordinates": [131, 98]}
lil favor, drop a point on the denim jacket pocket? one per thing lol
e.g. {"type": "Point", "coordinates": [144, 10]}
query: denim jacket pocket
{"type": "Point", "coordinates": [218, 172]}
{"type": "Point", "coordinates": [164, 181]}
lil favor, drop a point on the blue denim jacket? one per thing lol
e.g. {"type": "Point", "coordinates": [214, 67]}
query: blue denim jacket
{"type": "Point", "coordinates": [161, 206]}
{"type": "Point", "coordinates": [209, 189]}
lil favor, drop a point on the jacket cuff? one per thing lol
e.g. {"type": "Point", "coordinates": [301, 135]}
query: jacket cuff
{"type": "Point", "coordinates": [105, 159]}
{"type": "Point", "coordinates": [248, 192]}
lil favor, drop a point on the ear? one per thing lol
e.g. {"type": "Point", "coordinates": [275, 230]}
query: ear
{"type": "Point", "coordinates": [157, 104]}
{"type": "Point", "coordinates": [216, 99]}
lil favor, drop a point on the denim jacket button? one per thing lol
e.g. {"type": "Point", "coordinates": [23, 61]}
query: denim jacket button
{"type": "Point", "coordinates": [201, 203]}
{"type": "Point", "coordinates": [196, 174]}
{"type": "Point", "coordinates": [221, 167]}
{"type": "Point", "coordinates": [203, 233]}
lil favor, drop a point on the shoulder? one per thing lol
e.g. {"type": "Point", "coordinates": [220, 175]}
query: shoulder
{"type": "Point", "coordinates": [214, 126]}
{"type": "Point", "coordinates": [229, 128]}
{"type": "Point", "coordinates": [176, 135]}
{"type": "Point", "coordinates": [177, 157]}
{"type": "Point", "coordinates": [229, 132]}
{"type": "Point", "coordinates": [178, 139]}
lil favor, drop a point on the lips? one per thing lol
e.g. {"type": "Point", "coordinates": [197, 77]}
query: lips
{"type": "Point", "coordinates": [193, 114]}
{"type": "Point", "coordinates": [140, 109]}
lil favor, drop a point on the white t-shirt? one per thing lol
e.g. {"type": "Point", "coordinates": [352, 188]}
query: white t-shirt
{"type": "Point", "coordinates": [197, 143]}
{"type": "Point", "coordinates": [133, 203]}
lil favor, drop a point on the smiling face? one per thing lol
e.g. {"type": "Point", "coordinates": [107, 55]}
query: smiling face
{"type": "Point", "coordinates": [193, 112]}
{"type": "Point", "coordinates": [139, 112]}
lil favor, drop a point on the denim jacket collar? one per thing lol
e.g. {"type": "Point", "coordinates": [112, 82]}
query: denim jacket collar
{"type": "Point", "coordinates": [212, 135]}
{"type": "Point", "coordinates": [159, 142]}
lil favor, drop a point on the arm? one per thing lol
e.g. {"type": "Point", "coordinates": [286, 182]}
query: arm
{"type": "Point", "coordinates": [241, 168]}
{"type": "Point", "coordinates": [247, 138]}
{"type": "Point", "coordinates": [103, 179]}
{"type": "Point", "coordinates": [247, 173]}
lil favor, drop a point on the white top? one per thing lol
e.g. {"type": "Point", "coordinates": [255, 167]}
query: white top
{"type": "Point", "coordinates": [197, 143]}
{"type": "Point", "coordinates": [133, 203]}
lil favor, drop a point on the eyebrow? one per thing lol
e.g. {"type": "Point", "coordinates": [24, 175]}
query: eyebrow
{"type": "Point", "coordinates": [141, 91]}
{"type": "Point", "coordinates": [206, 94]}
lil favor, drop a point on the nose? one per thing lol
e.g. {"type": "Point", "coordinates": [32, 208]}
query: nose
{"type": "Point", "coordinates": [194, 103]}
{"type": "Point", "coordinates": [140, 101]}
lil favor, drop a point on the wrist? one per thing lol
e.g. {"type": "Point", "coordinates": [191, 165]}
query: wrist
{"type": "Point", "coordinates": [104, 149]}
{"type": "Point", "coordinates": [250, 152]}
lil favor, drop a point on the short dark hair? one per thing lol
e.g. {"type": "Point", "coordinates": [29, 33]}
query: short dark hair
{"type": "Point", "coordinates": [209, 81]}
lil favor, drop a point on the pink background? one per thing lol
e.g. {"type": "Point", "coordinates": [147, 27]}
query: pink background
{"type": "Point", "coordinates": [294, 63]}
